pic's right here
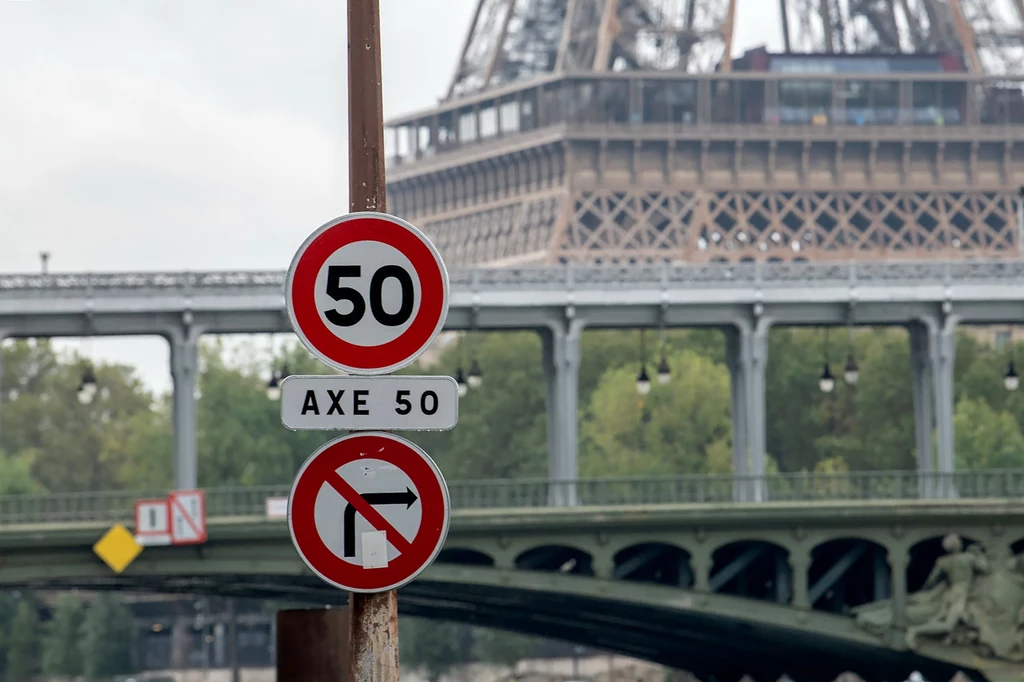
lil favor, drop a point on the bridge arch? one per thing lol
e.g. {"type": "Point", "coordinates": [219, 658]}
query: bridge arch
{"type": "Point", "coordinates": [847, 572]}
{"type": "Point", "coordinates": [721, 634]}
{"type": "Point", "coordinates": [658, 562]}
{"type": "Point", "coordinates": [464, 557]}
{"type": "Point", "coordinates": [756, 569]}
{"type": "Point", "coordinates": [556, 558]}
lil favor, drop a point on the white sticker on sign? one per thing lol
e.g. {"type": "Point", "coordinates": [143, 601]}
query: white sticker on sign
{"type": "Point", "coordinates": [375, 549]}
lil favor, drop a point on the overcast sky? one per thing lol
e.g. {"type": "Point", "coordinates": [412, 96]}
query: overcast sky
{"type": "Point", "coordinates": [198, 134]}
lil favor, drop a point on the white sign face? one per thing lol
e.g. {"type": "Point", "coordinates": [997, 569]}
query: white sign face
{"type": "Point", "coordinates": [335, 403]}
{"type": "Point", "coordinates": [368, 293]}
{"type": "Point", "coordinates": [347, 534]}
{"type": "Point", "coordinates": [152, 523]}
{"type": "Point", "coordinates": [188, 517]}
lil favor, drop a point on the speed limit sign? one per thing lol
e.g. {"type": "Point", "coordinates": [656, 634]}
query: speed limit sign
{"type": "Point", "coordinates": [367, 293]}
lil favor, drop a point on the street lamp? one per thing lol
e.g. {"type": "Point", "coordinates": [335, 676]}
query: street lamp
{"type": "Point", "coordinates": [850, 373]}
{"type": "Point", "coordinates": [87, 388]}
{"type": "Point", "coordinates": [826, 382]}
{"type": "Point", "coordinates": [476, 377]}
{"type": "Point", "coordinates": [664, 371]}
{"type": "Point", "coordinates": [643, 382]}
{"type": "Point", "coordinates": [460, 379]}
{"type": "Point", "coordinates": [1010, 379]}
{"type": "Point", "coordinates": [273, 387]}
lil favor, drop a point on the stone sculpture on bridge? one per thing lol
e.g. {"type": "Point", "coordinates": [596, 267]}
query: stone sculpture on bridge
{"type": "Point", "coordinates": [974, 598]}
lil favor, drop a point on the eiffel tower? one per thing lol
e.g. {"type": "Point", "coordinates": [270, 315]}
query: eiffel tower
{"type": "Point", "coordinates": [629, 131]}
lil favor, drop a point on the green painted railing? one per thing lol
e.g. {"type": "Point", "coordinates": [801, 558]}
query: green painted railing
{"type": "Point", "coordinates": [514, 494]}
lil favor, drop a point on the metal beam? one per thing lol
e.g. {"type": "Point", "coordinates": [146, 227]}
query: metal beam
{"type": "Point", "coordinates": [627, 568]}
{"type": "Point", "coordinates": [837, 571]}
{"type": "Point", "coordinates": [533, 298]}
{"type": "Point", "coordinates": [720, 579]}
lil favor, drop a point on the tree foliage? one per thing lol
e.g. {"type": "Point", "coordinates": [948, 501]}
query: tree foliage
{"type": "Point", "coordinates": [62, 656]}
{"type": "Point", "coordinates": [123, 440]}
{"type": "Point", "coordinates": [501, 647]}
{"type": "Point", "coordinates": [673, 429]}
{"type": "Point", "coordinates": [8, 607]}
{"type": "Point", "coordinates": [107, 638]}
{"type": "Point", "coordinates": [432, 647]}
{"type": "Point", "coordinates": [16, 474]}
{"type": "Point", "coordinates": [23, 639]}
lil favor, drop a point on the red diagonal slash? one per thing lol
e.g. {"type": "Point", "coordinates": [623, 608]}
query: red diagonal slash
{"type": "Point", "coordinates": [367, 511]}
{"type": "Point", "coordinates": [188, 519]}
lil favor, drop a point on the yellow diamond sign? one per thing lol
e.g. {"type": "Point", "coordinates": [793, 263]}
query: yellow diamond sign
{"type": "Point", "coordinates": [117, 548]}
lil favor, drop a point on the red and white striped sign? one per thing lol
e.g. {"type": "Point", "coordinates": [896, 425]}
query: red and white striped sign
{"type": "Point", "coordinates": [188, 517]}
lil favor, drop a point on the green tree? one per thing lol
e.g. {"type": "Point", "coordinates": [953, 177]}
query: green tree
{"type": "Point", "coordinates": [107, 638]}
{"type": "Point", "coordinates": [61, 655]}
{"type": "Point", "coordinates": [986, 438]}
{"type": "Point", "coordinates": [241, 440]}
{"type": "Point", "coordinates": [8, 607]}
{"type": "Point", "coordinates": [16, 474]}
{"type": "Point", "coordinates": [69, 440]}
{"type": "Point", "coordinates": [23, 640]}
{"type": "Point", "coordinates": [676, 429]}
{"type": "Point", "coordinates": [502, 425]}
{"type": "Point", "coordinates": [429, 646]}
{"type": "Point", "coordinates": [501, 647]}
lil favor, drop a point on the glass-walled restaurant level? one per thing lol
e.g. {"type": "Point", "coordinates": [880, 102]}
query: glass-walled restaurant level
{"type": "Point", "coordinates": [740, 99]}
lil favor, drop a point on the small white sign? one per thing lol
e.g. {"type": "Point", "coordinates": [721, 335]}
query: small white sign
{"type": "Point", "coordinates": [152, 523]}
{"type": "Point", "coordinates": [277, 507]}
{"type": "Point", "coordinates": [335, 403]}
{"type": "Point", "coordinates": [188, 517]}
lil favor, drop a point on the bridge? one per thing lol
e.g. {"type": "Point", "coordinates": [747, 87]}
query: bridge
{"type": "Point", "coordinates": [559, 302]}
{"type": "Point", "coordinates": [828, 578]}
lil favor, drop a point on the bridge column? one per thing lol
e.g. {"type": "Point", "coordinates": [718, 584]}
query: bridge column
{"type": "Point", "coordinates": [941, 349]}
{"type": "Point", "coordinates": [184, 344]}
{"type": "Point", "coordinates": [751, 358]}
{"type": "Point", "coordinates": [899, 560]}
{"type": "Point", "coordinates": [921, 366]}
{"type": "Point", "coordinates": [701, 562]}
{"type": "Point", "coordinates": [943, 364]}
{"type": "Point", "coordinates": [3, 389]}
{"type": "Point", "coordinates": [738, 392]}
{"type": "Point", "coordinates": [799, 564]}
{"type": "Point", "coordinates": [561, 350]}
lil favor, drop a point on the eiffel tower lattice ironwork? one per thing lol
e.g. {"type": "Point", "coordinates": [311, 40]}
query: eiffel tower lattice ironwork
{"type": "Point", "coordinates": [630, 130]}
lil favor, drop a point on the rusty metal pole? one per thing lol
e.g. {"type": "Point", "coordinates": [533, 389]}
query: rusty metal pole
{"type": "Point", "coordinates": [311, 645]}
{"type": "Point", "coordinates": [373, 618]}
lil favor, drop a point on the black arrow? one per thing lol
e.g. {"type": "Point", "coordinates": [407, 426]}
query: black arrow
{"type": "Point", "coordinates": [349, 528]}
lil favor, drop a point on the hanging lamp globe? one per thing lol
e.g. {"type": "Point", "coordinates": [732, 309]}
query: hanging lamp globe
{"type": "Point", "coordinates": [643, 382]}
{"type": "Point", "coordinates": [826, 382]}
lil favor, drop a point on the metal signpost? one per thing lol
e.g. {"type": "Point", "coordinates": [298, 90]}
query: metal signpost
{"type": "Point", "coordinates": [366, 293]}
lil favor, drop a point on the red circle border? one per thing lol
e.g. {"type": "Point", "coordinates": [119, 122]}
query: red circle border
{"type": "Point", "coordinates": [433, 499]}
{"type": "Point", "coordinates": [433, 293]}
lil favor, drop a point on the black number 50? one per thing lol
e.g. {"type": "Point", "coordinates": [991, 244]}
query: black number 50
{"type": "Point", "coordinates": [337, 273]}
{"type": "Point", "coordinates": [428, 402]}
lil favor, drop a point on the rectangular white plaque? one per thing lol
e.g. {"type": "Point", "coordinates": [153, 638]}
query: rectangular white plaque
{"type": "Point", "coordinates": [393, 402]}
{"type": "Point", "coordinates": [277, 507]}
